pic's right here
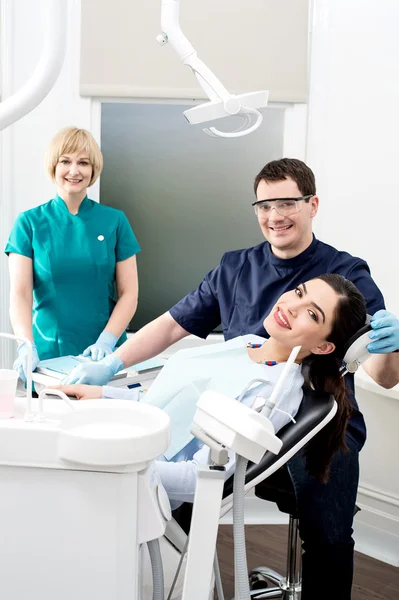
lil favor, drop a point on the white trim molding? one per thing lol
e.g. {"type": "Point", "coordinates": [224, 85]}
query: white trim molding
{"type": "Point", "coordinates": [377, 525]}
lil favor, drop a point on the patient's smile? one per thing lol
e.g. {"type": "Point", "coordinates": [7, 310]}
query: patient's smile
{"type": "Point", "coordinates": [281, 319]}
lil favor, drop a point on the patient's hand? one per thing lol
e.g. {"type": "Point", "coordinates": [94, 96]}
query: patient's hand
{"type": "Point", "coordinates": [81, 391]}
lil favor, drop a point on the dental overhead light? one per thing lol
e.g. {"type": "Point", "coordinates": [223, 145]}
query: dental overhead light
{"type": "Point", "coordinates": [222, 103]}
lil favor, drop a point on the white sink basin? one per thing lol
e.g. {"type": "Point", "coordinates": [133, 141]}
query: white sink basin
{"type": "Point", "coordinates": [116, 435]}
{"type": "Point", "coordinates": [109, 434]}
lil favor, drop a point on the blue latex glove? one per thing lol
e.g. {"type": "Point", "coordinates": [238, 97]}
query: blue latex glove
{"type": "Point", "coordinates": [20, 365]}
{"type": "Point", "coordinates": [95, 373]}
{"type": "Point", "coordinates": [104, 345]}
{"type": "Point", "coordinates": [385, 334]}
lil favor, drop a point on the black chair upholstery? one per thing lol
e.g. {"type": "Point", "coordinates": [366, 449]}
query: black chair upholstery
{"type": "Point", "coordinates": [279, 488]}
{"type": "Point", "coordinates": [315, 406]}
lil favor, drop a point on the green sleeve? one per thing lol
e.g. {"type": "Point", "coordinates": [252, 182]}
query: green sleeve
{"type": "Point", "coordinates": [20, 239]}
{"type": "Point", "coordinates": [126, 243]}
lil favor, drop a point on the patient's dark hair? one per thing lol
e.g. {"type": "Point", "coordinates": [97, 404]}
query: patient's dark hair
{"type": "Point", "coordinates": [322, 372]}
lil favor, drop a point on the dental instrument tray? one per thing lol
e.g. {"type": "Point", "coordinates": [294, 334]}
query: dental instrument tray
{"type": "Point", "coordinates": [58, 368]}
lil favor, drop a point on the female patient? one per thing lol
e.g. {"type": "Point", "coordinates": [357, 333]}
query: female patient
{"type": "Point", "coordinates": [320, 316]}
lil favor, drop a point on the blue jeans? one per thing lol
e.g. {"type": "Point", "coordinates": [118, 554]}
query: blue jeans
{"type": "Point", "coordinates": [325, 521]}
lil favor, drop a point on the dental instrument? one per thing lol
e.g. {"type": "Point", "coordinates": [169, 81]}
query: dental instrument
{"type": "Point", "coordinates": [221, 102]}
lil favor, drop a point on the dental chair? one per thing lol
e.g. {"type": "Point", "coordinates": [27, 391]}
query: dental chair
{"type": "Point", "coordinates": [316, 410]}
{"type": "Point", "coordinates": [272, 482]}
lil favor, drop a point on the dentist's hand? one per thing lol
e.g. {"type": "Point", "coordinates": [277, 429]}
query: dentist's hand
{"type": "Point", "coordinates": [104, 345]}
{"type": "Point", "coordinates": [385, 334]}
{"type": "Point", "coordinates": [95, 373]}
{"type": "Point", "coordinates": [20, 365]}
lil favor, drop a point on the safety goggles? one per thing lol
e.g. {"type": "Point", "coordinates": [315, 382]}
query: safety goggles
{"type": "Point", "coordinates": [284, 206]}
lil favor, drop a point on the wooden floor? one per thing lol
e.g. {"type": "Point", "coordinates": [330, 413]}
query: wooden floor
{"type": "Point", "coordinates": [373, 580]}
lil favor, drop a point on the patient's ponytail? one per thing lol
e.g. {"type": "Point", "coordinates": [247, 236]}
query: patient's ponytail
{"type": "Point", "coordinates": [322, 373]}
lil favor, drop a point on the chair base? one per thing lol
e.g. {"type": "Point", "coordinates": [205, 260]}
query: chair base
{"type": "Point", "coordinates": [279, 589]}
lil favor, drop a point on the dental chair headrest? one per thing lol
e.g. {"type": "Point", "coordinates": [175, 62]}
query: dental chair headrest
{"type": "Point", "coordinates": [355, 350]}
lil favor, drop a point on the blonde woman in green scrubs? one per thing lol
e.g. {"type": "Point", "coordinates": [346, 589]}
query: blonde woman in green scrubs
{"type": "Point", "coordinates": [66, 257]}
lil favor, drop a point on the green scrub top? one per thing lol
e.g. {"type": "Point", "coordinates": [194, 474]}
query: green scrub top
{"type": "Point", "coordinates": [74, 263]}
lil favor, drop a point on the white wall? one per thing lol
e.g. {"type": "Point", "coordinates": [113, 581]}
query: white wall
{"type": "Point", "coordinates": [353, 148]}
{"type": "Point", "coordinates": [354, 131]}
{"type": "Point", "coordinates": [126, 29]}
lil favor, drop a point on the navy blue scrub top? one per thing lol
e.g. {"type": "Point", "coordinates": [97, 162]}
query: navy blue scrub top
{"type": "Point", "coordinates": [245, 286]}
{"type": "Point", "coordinates": [74, 264]}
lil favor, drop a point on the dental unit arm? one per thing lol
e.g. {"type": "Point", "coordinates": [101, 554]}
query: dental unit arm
{"type": "Point", "coordinates": [222, 103]}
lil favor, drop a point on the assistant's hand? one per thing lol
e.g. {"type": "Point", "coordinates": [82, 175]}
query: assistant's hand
{"type": "Point", "coordinates": [95, 373]}
{"type": "Point", "coordinates": [104, 345]}
{"type": "Point", "coordinates": [81, 391]}
{"type": "Point", "coordinates": [20, 365]}
{"type": "Point", "coordinates": [385, 334]}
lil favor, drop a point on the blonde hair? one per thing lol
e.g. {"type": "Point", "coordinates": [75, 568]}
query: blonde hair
{"type": "Point", "coordinates": [72, 140]}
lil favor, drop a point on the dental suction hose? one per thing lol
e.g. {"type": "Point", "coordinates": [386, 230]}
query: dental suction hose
{"type": "Point", "coordinates": [157, 570]}
{"type": "Point", "coordinates": [242, 590]}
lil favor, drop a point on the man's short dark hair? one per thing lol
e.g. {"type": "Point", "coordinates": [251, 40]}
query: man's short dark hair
{"type": "Point", "coordinates": [278, 170]}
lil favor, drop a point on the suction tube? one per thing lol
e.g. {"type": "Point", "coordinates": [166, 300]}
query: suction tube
{"type": "Point", "coordinates": [157, 570]}
{"type": "Point", "coordinates": [242, 590]}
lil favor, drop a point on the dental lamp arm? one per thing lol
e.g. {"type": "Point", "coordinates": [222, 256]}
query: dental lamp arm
{"type": "Point", "coordinates": [222, 103]}
{"type": "Point", "coordinates": [47, 71]}
{"type": "Point", "coordinates": [174, 35]}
